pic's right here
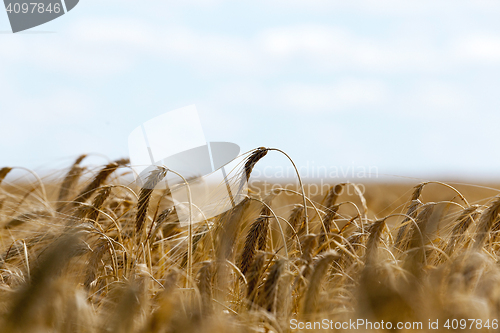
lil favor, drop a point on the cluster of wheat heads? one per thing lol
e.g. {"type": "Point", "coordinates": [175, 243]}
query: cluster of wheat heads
{"type": "Point", "coordinates": [94, 255]}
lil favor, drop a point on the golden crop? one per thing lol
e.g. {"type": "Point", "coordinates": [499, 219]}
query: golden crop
{"type": "Point", "coordinates": [97, 255]}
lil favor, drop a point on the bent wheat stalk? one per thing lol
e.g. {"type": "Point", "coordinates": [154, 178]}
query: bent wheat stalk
{"type": "Point", "coordinates": [306, 216]}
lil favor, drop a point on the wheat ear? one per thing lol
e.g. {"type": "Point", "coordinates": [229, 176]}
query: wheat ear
{"type": "Point", "coordinates": [486, 221]}
{"type": "Point", "coordinates": [321, 265]}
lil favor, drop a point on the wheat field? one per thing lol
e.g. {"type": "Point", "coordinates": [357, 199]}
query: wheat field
{"type": "Point", "coordinates": [88, 252]}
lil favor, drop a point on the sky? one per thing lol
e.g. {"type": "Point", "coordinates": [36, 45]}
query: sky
{"type": "Point", "coordinates": [406, 88]}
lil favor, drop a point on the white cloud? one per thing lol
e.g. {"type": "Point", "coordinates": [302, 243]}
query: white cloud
{"type": "Point", "coordinates": [392, 7]}
{"type": "Point", "coordinates": [440, 96]}
{"type": "Point", "coordinates": [346, 94]}
{"type": "Point", "coordinates": [113, 32]}
{"type": "Point", "coordinates": [337, 49]}
{"type": "Point", "coordinates": [61, 54]}
{"type": "Point", "coordinates": [105, 47]}
{"type": "Point", "coordinates": [36, 114]}
{"type": "Point", "coordinates": [127, 40]}
{"type": "Point", "coordinates": [209, 51]}
{"type": "Point", "coordinates": [479, 48]}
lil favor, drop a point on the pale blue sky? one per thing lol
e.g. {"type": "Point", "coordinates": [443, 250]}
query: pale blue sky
{"type": "Point", "coordinates": [411, 87]}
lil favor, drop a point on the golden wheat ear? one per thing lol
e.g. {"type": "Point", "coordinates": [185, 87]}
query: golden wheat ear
{"type": "Point", "coordinates": [404, 231]}
{"type": "Point", "coordinates": [4, 172]}
{"type": "Point", "coordinates": [296, 227]}
{"type": "Point", "coordinates": [255, 240]}
{"type": "Point", "coordinates": [255, 157]}
{"type": "Point", "coordinates": [70, 181]}
{"type": "Point", "coordinates": [327, 223]}
{"type": "Point", "coordinates": [155, 177]}
{"type": "Point", "coordinates": [268, 298]}
{"type": "Point", "coordinates": [461, 226]}
{"type": "Point", "coordinates": [205, 277]}
{"type": "Point", "coordinates": [333, 195]}
{"type": "Point", "coordinates": [486, 222]}
{"type": "Point", "coordinates": [253, 277]}
{"type": "Point", "coordinates": [319, 271]}
{"type": "Point", "coordinates": [97, 182]}
{"type": "Point", "coordinates": [375, 230]}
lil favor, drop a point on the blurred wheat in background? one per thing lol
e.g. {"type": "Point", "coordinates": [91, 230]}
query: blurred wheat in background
{"type": "Point", "coordinates": [89, 252]}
